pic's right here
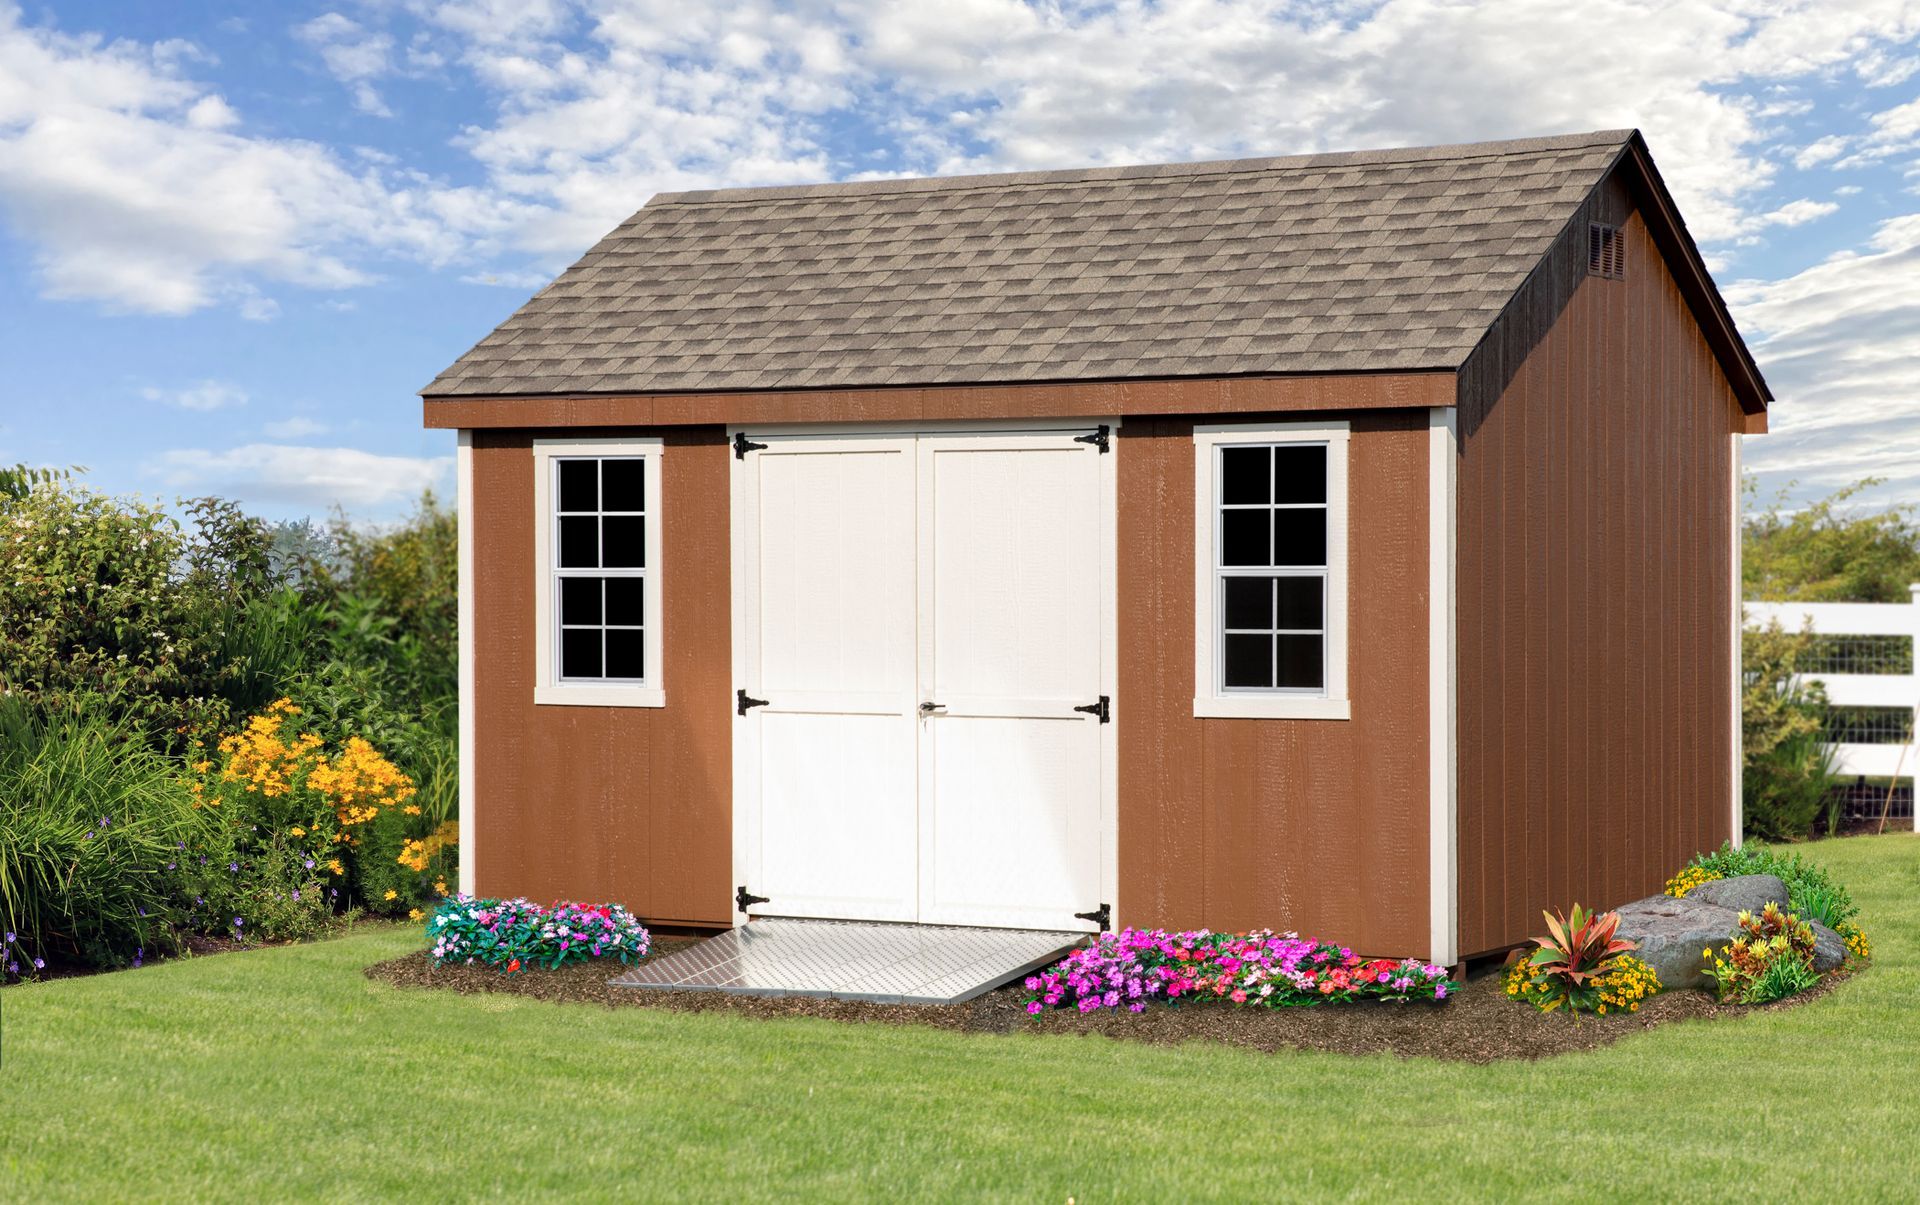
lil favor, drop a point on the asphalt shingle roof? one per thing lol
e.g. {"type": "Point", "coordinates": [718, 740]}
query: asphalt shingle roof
{"type": "Point", "coordinates": [1382, 260]}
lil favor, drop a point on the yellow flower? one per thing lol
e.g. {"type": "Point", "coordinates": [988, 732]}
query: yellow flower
{"type": "Point", "coordinates": [392, 894]}
{"type": "Point", "coordinates": [441, 886]}
{"type": "Point", "coordinates": [414, 914]}
{"type": "Point", "coordinates": [333, 864]}
{"type": "Point", "coordinates": [297, 831]}
{"type": "Point", "coordinates": [412, 809]}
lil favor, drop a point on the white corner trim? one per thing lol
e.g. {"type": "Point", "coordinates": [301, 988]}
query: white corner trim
{"type": "Point", "coordinates": [1737, 804]}
{"type": "Point", "coordinates": [548, 691]}
{"type": "Point", "coordinates": [463, 585]}
{"type": "Point", "coordinates": [1443, 815]}
{"type": "Point", "coordinates": [1208, 701]}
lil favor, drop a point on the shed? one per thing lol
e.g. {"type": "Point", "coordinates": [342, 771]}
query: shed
{"type": "Point", "coordinates": [1345, 543]}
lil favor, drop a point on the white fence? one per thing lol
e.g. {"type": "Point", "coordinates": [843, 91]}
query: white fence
{"type": "Point", "coordinates": [1888, 691]}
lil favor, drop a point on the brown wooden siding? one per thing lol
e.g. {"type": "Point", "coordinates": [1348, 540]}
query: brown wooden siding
{"type": "Point", "coordinates": [624, 804]}
{"type": "Point", "coordinates": [1315, 825]}
{"type": "Point", "coordinates": [1594, 594]}
{"type": "Point", "coordinates": [1080, 399]}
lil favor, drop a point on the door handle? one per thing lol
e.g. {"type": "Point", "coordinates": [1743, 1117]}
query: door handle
{"type": "Point", "coordinates": [928, 708]}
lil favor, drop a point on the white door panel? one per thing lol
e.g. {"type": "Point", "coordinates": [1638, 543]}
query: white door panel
{"type": "Point", "coordinates": [1014, 834]}
{"type": "Point", "coordinates": [1010, 588]}
{"type": "Point", "coordinates": [829, 643]}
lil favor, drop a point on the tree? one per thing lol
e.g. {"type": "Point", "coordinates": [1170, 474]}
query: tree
{"type": "Point", "coordinates": [1827, 552]}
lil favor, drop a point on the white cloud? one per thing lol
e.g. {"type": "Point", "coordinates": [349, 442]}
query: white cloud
{"type": "Point", "coordinates": [1838, 342]}
{"type": "Point", "coordinates": [136, 187]}
{"type": "Point", "coordinates": [1819, 151]}
{"type": "Point", "coordinates": [1793, 213]}
{"type": "Point", "coordinates": [203, 395]}
{"type": "Point", "coordinates": [354, 55]}
{"type": "Point", "coordinates": [304, 476]}
{"type": "Point", "coordinates": [297, 427]}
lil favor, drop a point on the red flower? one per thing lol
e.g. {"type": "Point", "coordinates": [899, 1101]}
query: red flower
{"type": "Point", "coordinates": [513, 966]}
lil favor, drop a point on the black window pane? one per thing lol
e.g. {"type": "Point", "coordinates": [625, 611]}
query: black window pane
{"type": "Point", "coordinates": [1300, 602]}
{"type": "Point", "coordinates": [579, 600]}
{"type": "Point", "coordinates": [1300, 537]}
{"type": "Point", "coordinates": [626, 653]}
{"type": "Point", "coordinates": [1249, 602]}
{"type": "Point", "coordinates": [580, 543]}
{"type": "Point", "coordinates": [1243, 537]}
{"type": "Point", "coordinates": [580, 653]}
{"type": "Point", "coordinates": [1243, 474]}
{"type": "Point", "coordinates": [1248, 661]}
{"type": "Point", "coordinates": [625, 601]}
{"type": "Point", "coordinates": [624, 541]}
{"type": "Point", "coordinates": [1300, 662]}
{"type": "Point", "coordinates": [578, 490]}
{"type": "Point", "coordinates": [622, 484]}
{"type": "Point", "coordinates": [1300, 474]}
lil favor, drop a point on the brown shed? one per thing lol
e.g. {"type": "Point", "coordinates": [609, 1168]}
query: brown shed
{"type": "Point", "coordinates": [1343, 543]}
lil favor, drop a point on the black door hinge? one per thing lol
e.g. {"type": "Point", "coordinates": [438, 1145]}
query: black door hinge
{"type": "Point", "coordinates": [742, 445]}
{"type": "Point", "coordinates": [1102, 916]}
{"type": "Point", "coordinates": [1099, 709]}
{"type": "Point", "coordinates": [1098, 439]}
{"type": "Point", "coordinates": [746, 701]}
{"type": "Point", "coordinates": [746, 900]}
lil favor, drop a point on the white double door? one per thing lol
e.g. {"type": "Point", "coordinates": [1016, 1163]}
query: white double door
{"type": "Point", "coordinates": [921, 624]}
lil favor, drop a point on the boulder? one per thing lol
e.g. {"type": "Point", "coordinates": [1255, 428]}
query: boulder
{"type": "Point", "coordinates": [1672, 932]}
{"type": "Point", "coordinates": [1829, 948]}
{"type": "Point", "coordinates": [1743, 893]}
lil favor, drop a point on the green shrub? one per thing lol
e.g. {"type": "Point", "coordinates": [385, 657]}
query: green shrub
{"type": "Point", "coordinates": [1787, 779]}
{"type": "Point", "coordinates": [1811, 892]}
{"type": "Point", "coordinates": [93, 826]}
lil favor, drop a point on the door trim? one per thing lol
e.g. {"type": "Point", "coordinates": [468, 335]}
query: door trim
{"type": "Point", "coordinates": [743, 545]}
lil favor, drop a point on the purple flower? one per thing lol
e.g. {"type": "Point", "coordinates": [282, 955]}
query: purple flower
{"type": "Point", "coordinates": [170, 866]}
{"type": "Point", "coordinates": [237, 922]}
{"type": "Point", "coordinates": [309, 863]}
{"type": "Point", "coordinates": [296, 893]}
{"type": "Point", "coordinates": [10, 938]}
{"type": "Point", "coordinates": [13, 967]}
{"type": "Point", "coordinates": [39, 964]}
{"type": "Point", "coordinates": [233, 867]}
{"type": "Point", "coordinates": [143, 912]}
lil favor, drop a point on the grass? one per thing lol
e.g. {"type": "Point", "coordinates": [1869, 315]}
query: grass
{"type": "Point", "coordinates": [285, 1073]}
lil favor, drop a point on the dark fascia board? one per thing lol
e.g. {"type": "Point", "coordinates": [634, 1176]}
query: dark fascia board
{"type": "Point", "coordinates": [1689, 271]}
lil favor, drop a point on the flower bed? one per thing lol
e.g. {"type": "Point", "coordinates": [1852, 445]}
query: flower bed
{"type": "Point", "coordinates": [514, 935]}
{"type": "Point", "coordinates": [1133, 968]}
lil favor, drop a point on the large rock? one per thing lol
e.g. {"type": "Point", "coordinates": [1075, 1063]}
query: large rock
{"type": "Point", "coordinates": [1672, 932]}
{"type": "Point", "coordinates": [1743, 893]}
{"type": "Point", "coordinates": [1829, 948]}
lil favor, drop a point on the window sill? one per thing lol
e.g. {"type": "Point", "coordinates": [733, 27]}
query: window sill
{"type": "Point", "coordinates": [599, 696]}
{"type": "Point", "coordinates": [1253, 707]}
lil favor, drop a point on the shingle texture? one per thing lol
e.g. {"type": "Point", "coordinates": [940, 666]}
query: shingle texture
{"type": "Point", "coordinates": [1391, 260]}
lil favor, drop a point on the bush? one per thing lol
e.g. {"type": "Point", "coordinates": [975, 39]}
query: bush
{"type": "Point", "coordinates": [92, 828]}
{"type": "Point", "coordinates": [1582, 966]}
{"type": "Point", "coordinates": [1132, 968]}
{"type": "Point", "coordinates": [1811, 892]}
{"type": "Point", "coordinates": [515, 935]}
{"type": "Point", "coordinates": [292, 812]}
{"type": "Point", "coordinates": [1787, 780]}
{"type": "Point", "coordinates": [1770, 957]}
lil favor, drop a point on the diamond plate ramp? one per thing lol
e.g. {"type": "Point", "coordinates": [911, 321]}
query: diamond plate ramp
{"type": "Point", "coordinates": [853, 960]}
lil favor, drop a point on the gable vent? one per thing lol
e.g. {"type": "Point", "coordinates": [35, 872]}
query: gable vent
{"type": "Point", "coordinates": [1606, 252]}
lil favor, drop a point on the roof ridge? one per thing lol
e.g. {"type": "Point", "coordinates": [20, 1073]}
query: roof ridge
{"type": "Point", "coordinates": [1449, 152]}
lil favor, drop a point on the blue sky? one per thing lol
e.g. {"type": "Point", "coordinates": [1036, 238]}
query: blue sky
{"type": "Point", "coordinates": [238, 237]}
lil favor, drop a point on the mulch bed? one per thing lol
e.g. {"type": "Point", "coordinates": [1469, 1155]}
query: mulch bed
{"type": "Point", "coordinates": [1477, 1024]}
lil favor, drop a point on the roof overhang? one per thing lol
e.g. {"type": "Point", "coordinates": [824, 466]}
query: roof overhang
{"type": "Point", "coordinates": [1068, 399]}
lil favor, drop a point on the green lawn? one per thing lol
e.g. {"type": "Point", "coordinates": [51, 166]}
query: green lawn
{"type": "Point", "coordinates": [286, 1073]}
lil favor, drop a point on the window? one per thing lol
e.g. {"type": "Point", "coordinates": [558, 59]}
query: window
{"type": "Point", "coordinates": [597, 595]}
{"type": "Point", "coordinates": [1606, 251]}
{"type": "Point", "coordinates": [1270, 582]}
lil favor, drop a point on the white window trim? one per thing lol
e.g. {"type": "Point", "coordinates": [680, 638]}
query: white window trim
{"type": "Point", "coordinates": [1208, 700]}
{"type": "Point", "coordinates": [548, 689]}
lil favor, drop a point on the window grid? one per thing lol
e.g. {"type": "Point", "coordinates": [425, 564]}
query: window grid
{"type": "Point", "coordinates": [1274, 572]}
{"type": "Point", "coordinates": [599, 571]}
